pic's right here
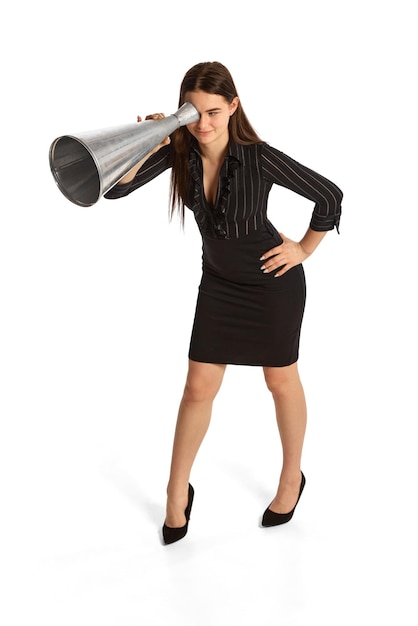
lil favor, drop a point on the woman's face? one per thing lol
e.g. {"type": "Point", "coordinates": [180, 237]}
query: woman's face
{"type": "Point", "coordinates": [215, 112]}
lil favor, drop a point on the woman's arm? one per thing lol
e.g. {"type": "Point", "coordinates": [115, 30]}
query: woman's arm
{"type": "Point", "coordinates": [123, 187]}
{"type": "Point", "coordinates": [311, 240]}
{"type": "Point", "coordinates": [280, 169]}
{"type": "Point", "coordinates": [291, 253]}
{"type": "Point", "coordinates": [132, 173]}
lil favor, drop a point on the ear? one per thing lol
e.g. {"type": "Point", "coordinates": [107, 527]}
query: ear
{"type": "Point", "coordinates": [234, 105]}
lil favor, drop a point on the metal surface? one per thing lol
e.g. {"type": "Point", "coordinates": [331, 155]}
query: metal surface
{"type": "Point", "coordinates": [85, 166]}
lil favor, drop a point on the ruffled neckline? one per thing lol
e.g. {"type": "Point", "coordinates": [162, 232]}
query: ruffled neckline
{"type": "Point", "coordinates": [215, 216]}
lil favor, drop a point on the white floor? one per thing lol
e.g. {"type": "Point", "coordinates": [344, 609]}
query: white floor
{"type": "Point", "coordinates": [86, 503]}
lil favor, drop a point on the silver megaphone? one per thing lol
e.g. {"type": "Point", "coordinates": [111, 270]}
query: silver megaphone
{"type": "Point", "coordinates": [87, 165]}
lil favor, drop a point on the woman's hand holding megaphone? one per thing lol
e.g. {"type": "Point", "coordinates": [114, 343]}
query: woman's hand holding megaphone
{"type": "Point", "coordinates": [156, 116]}
{"type": "Point", "coordinates": [131, 174]}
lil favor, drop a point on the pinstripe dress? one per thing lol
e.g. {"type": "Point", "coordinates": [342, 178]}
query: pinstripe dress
{"type": "Point", "coordinates": [243, 316]}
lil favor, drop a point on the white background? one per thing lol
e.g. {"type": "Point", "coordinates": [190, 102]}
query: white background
{"type": "Point", "coordinates": [97, 306]}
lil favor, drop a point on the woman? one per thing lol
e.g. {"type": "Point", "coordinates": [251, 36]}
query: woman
{"type": "Point", "coordinates": [252, 294]}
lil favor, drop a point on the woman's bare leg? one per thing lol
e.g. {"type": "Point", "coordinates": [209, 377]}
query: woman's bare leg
{"type": "Point", "coordinates": [289, 400]}
{"type": "Point", "coordinates": [203, 383]}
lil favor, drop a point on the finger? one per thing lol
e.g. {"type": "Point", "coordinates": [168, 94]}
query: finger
{"type": "Point", "coordinates": [285, 268]}
{"type": "Point", "coordinates": [278, 264]}
{"type": "Point", "coordinates": [270, 266]}
{"type": "Point", "coordinates": [139, 118]}
{"type": "Point", "coordinates": [274, 262]}
{"type": "Point", "coordinates": [270, 253]}
{"type": "Point", "coordinates": [155, 116]}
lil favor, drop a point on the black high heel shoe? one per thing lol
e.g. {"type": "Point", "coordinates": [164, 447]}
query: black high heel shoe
{"type": "Point", "coordinates": [270, 518]}
{"type": "Point", "coordinates": [170, 535]}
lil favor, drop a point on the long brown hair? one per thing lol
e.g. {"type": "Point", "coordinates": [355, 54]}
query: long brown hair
{"type": "Point", "coordinates": [211, 77]}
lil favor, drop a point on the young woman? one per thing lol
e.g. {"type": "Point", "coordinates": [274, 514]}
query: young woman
{"type": "Point", "coordinates": [252, 293]}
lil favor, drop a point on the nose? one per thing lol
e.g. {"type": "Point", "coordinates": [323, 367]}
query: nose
{"type": "Point", "coordinates": [202, 122]}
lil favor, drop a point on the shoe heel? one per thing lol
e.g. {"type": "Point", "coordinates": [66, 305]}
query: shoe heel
{"type": "Point", "coordinates": [270, 518]}
{"type": "Point", "coordinates": [171, 535]}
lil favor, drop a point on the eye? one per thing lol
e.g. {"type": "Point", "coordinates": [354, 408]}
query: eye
{"type": "Point", "coordinates": [212, 113]}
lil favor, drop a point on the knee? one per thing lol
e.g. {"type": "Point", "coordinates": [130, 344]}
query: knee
{"type": "Point", "coordinates": [203, 382]}
{"type": "Point", "coordinates": [199, 390]}
{"type": "Point", "coordinates": [282, 381]}
{"type": "Point", "coordinates": [276, 386]}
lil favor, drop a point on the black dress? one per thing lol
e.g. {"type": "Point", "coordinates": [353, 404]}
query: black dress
{"type": "Point", "coordinates": [243, 316]}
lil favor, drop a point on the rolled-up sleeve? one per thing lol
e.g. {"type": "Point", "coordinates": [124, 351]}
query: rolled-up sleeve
{"type": "Point", "coordinates": [155, 165]}
{"type": "Point", "coordinates": [282, 170]}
